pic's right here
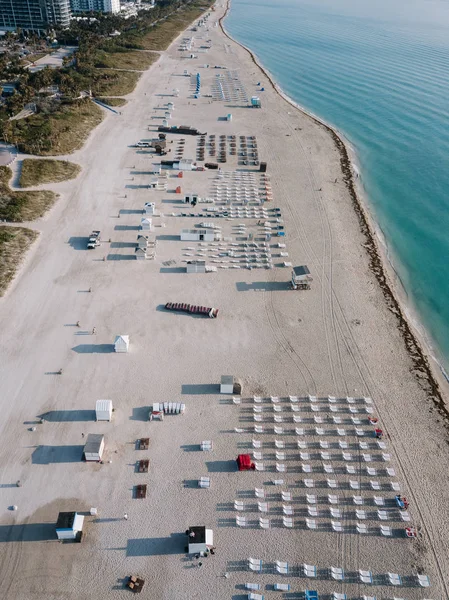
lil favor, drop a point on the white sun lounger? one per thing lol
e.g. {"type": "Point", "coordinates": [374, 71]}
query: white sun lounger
{"type": "Point", "coordinates": [259, 493]}
{"type": "Point", "coordinates": [257, 455]}
{"type": "Point", "coordinates": [281, 587]}
{"type": "Point", "coordinates": [328, 468]}
{"type": "Point", "coordinates": [386, 531]}
{"type": "Point", "coordinates": [361, 528]}
{"type": "Point", "coordinates": [360, 514]}
{"type": "Point", "coordinates": [332, 483]}
{"type": "Point", "coordinates": [338, 596]}
{"type": "Point", "coordinates": [252, 596]}
{"type": "Point", "coordinates": [255, 564]}
{"type": "Point", "coordinates": [240, 521]}
{"type": "Point", "coordinates": [286, 496]}
{"type": "Point", "coordinates": [264, 523]}
{"type": "Point", "coordinates": [394, 579]}
{"type": "Point", "coordinates": [311, 524]}
{"type": "Point", "coordinates": [358, 500]}
{"type": "Point", "coordinates": [335, 512]}
{"type": "Point", "coordinates": [252, 586]}
{"type": "Point", "coordinates": [281, 567]}
{"type": "Point", "coordinates": [382, 515]}
{"type": "Point", "coordinates": [288, 522]}
{"type": "Point", "coordinates": [287, 510]}
{"type": "Point", "coordinates": [332, 499]}
{"type": "Point", "coordinates": [256, 443]}
{"type": "Point", "coordinates": [313, 511]}
{"type": "Point", "coordinates": [337, 573]}
{"type": "Point", "coordinates": [379, 500]}
{"type": "Point", "coordinates": [310, 483]}
{"type": "Point", "coordinates": [365, 576]}
{"type": "Point", "coordinates": [238, 505]}
{"type": "Point", "coordinates": [309, 570]}
{"type": "Point", "coordinates": [279, 444]}
{"type": "Point", "coordinates": [423, 580]}
{"type": "Point", "coordinates": [262, 506]}
{"type": "Point", "coordinates": [206, 445]}
{"type": "Point", "coordinates": [204, 482]}
{"type": "Point", "coordinates": [337, 526]}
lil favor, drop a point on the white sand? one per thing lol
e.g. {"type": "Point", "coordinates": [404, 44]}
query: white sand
{"type": "Point", "coordinates": [275, 340]}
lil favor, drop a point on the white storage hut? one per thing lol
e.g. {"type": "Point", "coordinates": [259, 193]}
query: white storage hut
{"type": "Point", "coordinates": [198, 235]}
{"type": "Point", "coordinates": [149, 208]}
{"type": "Point", "coordinates": [94, 447]}
{"type": "Point", "coordinates": [196, 266]}
{"type": "Point", "coordinates": [69, 525]}
{"type": "Point", "coordinates": [121, 343]}
{"type": "Point", "coordinates": [142, 241]}
{"type": "Point", "coordinates": [201, 540]}
{"type": "Point", "coordinates": [103, 410]}
{"type": "Point", "coordinates": [185, 164]}
{"type": "Point", "coordinates": [145, 224]}
{"type": "Point", "coordinates": [227, 384]}
{"type": "Point", "coordinates": [140, 254]}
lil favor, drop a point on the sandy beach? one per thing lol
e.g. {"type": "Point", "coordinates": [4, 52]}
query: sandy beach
{"type": "Point", "coordinates": [340, 339]}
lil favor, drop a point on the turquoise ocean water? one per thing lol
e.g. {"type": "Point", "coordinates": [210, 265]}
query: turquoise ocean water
{"type": "Point", "coordinates": [378, 72]}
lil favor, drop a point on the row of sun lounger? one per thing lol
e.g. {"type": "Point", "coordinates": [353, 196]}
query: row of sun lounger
{"type": "Point", "coordinates": [338, 574]}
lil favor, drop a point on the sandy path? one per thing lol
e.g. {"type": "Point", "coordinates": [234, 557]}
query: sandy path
{"type": "Point", "coordinates": [336, 339]}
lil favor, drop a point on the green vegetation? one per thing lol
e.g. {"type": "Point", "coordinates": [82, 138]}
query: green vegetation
{"type": "Point", "coordinates": [113, 101]}
{"type": "Point", "coordinates": [117, 83]}
{"type": "Point", "coordinates": [16, 207]}
{"type": "Point", "coordinates": [14, 242]}
{"type": "Point", "coordinates": [164, 33]}
{"type": "Point", "coordinates": [102, 65]}
{"type": "Point", "coordinates": [36, 172]}
{"type": "Point", "coordinates": [133, 60]}
{"type": "Point", "coordinates": [61, 128]}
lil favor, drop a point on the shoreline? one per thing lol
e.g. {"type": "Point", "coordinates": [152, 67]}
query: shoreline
{"type": "Point", "coordinates": [378, 261]}
{"type": "Point", "coordinates": [273, 341]}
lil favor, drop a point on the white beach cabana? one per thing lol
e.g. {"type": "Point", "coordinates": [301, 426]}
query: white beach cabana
{"type": "Point", "coordinates": [121, 343]}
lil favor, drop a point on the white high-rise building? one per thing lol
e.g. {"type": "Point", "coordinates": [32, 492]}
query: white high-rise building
{"type": "Point", "coordinates": [105, 6]}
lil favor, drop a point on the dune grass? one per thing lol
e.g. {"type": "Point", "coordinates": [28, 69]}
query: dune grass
{"type": "Point", "coordinates": [37, 172]}
{"type": "Point", "coordinates": [163, 33]}
{"type": "Point", "coordinates": [133, 60]}
{"type": "Point", "coordinates": [113, 101]}
{"type": "Point", "coordinates": [14, 242]}
{"type": "Point", "coordinates": [60, 132]}
{"type": "Point", "coordinates": [17, 207]}
{"type": "Point", "coordinates": [117, 83]}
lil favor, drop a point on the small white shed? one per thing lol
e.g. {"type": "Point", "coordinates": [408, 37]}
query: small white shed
{"type": "Point", "coordinates": [227, 384]}
{"type": "Point", "coordinates": [198, 235]}
{"type": "Point", "coordinates": [142, 240]}
{"type": "Point", "coordinates": [185, 164]}
{"type": "Point", "coordinates": [103, 410]}
{"type": "Point", "coordinates": [69, 525]}
{"type": "Point", "coordinates": [149, 208]}
{"type": "Point", "coordinates": [145, 224]}
{"type": "Point", "coordinates": [140, 253]}
{"type": "Point", "coordinates": [121, 343]}
{"type": "Point", "coordinates": [196, 266]}
{"type": "Point", "coordinates": [201, 540]}
{"type": "Point", "coordinates": [94, 447]}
